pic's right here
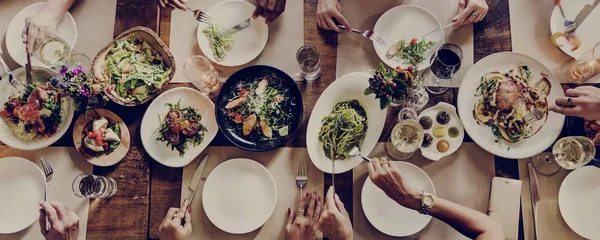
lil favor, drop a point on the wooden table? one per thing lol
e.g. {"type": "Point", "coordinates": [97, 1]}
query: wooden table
{"type": "Point", "coordinates": [147, 189]}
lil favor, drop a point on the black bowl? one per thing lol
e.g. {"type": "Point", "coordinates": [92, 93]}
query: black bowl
{"type": "Point", "coordinates": [232, 130]}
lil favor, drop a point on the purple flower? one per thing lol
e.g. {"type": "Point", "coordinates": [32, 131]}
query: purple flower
{"type": "Point", "coordinates": [84, 91]}
{"type": "Point", "coordinates": [63, 70]}
{"type": "Point", "coordinates": [77, 70]}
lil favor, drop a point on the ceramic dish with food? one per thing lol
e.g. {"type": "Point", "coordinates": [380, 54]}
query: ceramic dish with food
{"type": "Point", "coordinates": [585, 36]}
{"type": "Point", "coordinates": [444, 132]}
{"type": "Point", "coordinates": [135, 66]}
{"type": "Point", "coordinates": [37, 118]}
{"type": "Point", "coordinates": [491, 96]}
{"type": "Point", "coordinates": [343, 118]}
{"type": "Point", "coordinates": [178, 126]}
{"type": "Point", "coordinates": [259, 107]}
{"type": "Point", "coordinates": [101, 137]}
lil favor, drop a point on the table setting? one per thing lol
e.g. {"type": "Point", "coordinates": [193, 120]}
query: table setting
{"type": "Point", "coordinates": [208, 107]}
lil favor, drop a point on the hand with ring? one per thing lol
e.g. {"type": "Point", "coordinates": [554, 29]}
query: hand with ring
{"type": "Point", "coordinates": [335, 220]}
{"type": "Point", "coordinates": [64, 223]}
{"type": "Point", "coordinates": [470, 11]}
{"type": "Point", "coordinates": [171, 227]}
{"type": "Point", "coordinates": [303, 223]}
{"type": "Point", "coordinates": [388, 178]}
{"type": "Point", "coordinates": [583, 101]}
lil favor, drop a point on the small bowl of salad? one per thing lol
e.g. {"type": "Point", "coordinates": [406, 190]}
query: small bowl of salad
{"type": "Point", "coordinates": [134, 67]}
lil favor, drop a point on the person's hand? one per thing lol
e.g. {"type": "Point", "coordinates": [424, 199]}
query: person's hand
{"type": "Point", "coordinates": [303, 224]}
{"type": "Point", "coordinates": [171, 228]}
{"type": "Point", "coordinates": [178, 4]}
{"type": "Point", "coordinates": [470, 11]}
{"type": "Point", "coordinates": [269, 9]}
{"type": "Point", "coordinates": [329, 15]}
{"type": "Point", "coordinates": [389, 179]}
{"type": "Point", "coordinates": [38, 28]}
{"type": "Point", "coordinates": [585, 103]}
{"type": "Point", "coordinates": [335, 221]}
{"type": "Point", "coordinates": [64, 223]}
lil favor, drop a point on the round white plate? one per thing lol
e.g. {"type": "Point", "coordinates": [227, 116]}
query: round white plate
{"type": "Point", "coordinates": [346, 88]}
{"type": "Point", "coordinates": [407, 22]}
{"type": "Point", "coordinates": [150, 123]}
{"type": "Point", "coordinates": [249, 42]}
{"type": "Point", "coordinates": [6, 135]}
{"type": "Point", "coordinates": [65, 29]}
{"type": "Point", "coordinates": [239, 196]}
{"type": "Point", "coordinates": [431, 152]}
{"type": "Point", "coordinates": [587, 31]}
{"type": "Point", "coordinates": [578, 199]}
{"type": "Point", "coordinates": [25, 184]}
{"type": "Point", "coordinates": [389, 217]}
{"type": "Point", "coordinates": [481, 134]}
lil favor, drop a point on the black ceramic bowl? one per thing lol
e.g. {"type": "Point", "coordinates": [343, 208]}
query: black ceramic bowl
{"type": "Point", "coordinates": [291, 106]}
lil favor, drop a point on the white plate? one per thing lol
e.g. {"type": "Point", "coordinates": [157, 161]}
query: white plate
{"type": "Point", "coordinates": [587, 32]}
{"type": "Point", "coordinates": [481, 134]}
{"type": "Point", "coordinates": [389, 217]}
{"type": "Point", "coordinates": [346, 88]}
{"type": "Point", "coordinates": [407, 22]}
{"type": "Point", "coordinates": [239, 196]}
{"type": "Point", "coordinates": [150, 123]}
{"type": "Point", "coordinates": [431, 152]}
{"type": "Point", "coordinates": [65, 29]}
{"type": "Point", "coordinates": [6, 135]}
{"type": "Point", "coordinates": [23, 185]}
{"type": "Point", "coordinates": [578, 199]}
{"type": "Point", "coordinates": [249, 42]}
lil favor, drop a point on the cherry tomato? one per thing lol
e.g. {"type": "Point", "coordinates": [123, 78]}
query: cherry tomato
{"type": "Point", "coordinates": [176, 128]}
{"type": "Point", "coordinates": [413, 41]}
{"type": "Point", "coordinates": [237, 117]}
{"type": "Point", "coordinates": [242, 92]}
{"type": "Point", "coordinates": [410, 68]}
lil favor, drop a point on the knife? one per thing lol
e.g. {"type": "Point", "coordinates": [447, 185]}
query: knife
{"type": "Point", "coordinates": [239, 27]}
{"type": "Point", "coordinates": [28, 76]}
{"type": "Point", "coordinates": [195, 181]}
{"type": "Point", "coordinates": [535, 197]}
{"type": "Point", "coordinates": [584, 13]}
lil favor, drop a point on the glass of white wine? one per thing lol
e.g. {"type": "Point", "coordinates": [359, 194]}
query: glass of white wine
{"type": "Point", "coordinates": [53, 51]}
{"type": "Point", "coordinates": [405, 139]}
{"type": "Point", "coordinates": [581, 69]}
{"type": "Point", "coordinates": [573, 152]}
{"type": "Point", "coordinates": [202, 74]}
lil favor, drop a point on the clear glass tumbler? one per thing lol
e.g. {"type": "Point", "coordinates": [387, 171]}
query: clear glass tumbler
{"type": "Point", "coordinates": [93, 186]}
{"type": "Point", "coordinates": [581, 69]}
{"type": "Point", "coordinates": [309, 59]}
{"type": "Point", "coordinates": [202, 74]}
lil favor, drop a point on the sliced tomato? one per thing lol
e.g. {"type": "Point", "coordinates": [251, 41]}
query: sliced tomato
{"type": "Point", "coordinates": [237, 117]}
{"type": "Point", "coordinates": [413, 41]}
{"type": "Point", "coordinates": [176, 128]}
{"type": "Point", "coordinates": [243, 92]}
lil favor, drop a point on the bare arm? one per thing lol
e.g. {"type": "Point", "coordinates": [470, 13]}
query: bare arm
{"type": "Point", "coordinates": [44, 22]}
{"type": "Point", "coordinates": [57, 8]}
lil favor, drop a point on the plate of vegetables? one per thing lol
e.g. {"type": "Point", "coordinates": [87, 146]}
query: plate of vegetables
{"type": "Point", "coordinates": [101, 137]}
{"type": "Point", "coordinates": [178, 126]}
{"type": "Point", "coordinates": [402, 28]}
{"type": "Point", "coordinates": [134, 67]}
{"type": "Point", "coordinates": [259, 108]}
{"type": "Point", "coordinates": [234, 49]}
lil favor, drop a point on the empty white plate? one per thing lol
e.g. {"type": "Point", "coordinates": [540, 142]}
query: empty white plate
{"type": "Point", "coordinates": [249, 42]}
{"type": "Point", "coordinates": [65, 29]}
{"type": "Point", "coordinates": [22, 185]}
{"type": "Point", "coordinates": [239, 196]}
{"type": "Point", "coordinates": [578, 200]}
{"type": "Point", "coordinates": [389, 217]}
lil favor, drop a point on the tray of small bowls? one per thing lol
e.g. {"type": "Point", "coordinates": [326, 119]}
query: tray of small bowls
{"type": "Point", "coordinates": [444, 131]}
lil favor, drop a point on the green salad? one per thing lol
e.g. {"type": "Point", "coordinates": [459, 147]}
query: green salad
{"type": "Point", "coordinates": [135, 70]}
{"type": "Point", "coordinates": [411, 52]}
{"type": "Point", "coordinates": [181, 126]}
{"type": "Point", "coordinates": [343, 129]}
{"type": "Point", "coordinates": [219, 42]}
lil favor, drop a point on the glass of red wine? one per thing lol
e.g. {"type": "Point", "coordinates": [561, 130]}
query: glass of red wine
{"type": "Point", "coordinates": [445, 62]}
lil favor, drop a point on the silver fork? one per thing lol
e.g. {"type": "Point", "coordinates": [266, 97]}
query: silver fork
{"type": "Point", "coordinates": [21, 87]}
{"type": "Point", "coordinates": [302, 176]}
{"type": "Point", "coordinates": [5, 66]}
{"type": "Point", "coordinates": [534, 116]}
{"type": "Point", "coordinates": [49, 172]}
{"type": "Point", "coordinates": [369, 34]}
{"type": "Point", "coordinates": [569, 25]}
{"type": "Point", "coordinates": [202, 17]}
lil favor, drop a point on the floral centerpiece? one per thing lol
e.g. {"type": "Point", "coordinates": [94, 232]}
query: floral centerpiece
{"type": "Point", "coordinates": [75, 84]}
{"type": "Point", "coordinates": [391, 85]}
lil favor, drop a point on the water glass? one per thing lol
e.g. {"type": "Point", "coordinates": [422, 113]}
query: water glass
{"type": "Point", "coordinates": [200, 72]}
{"type": "Point", "coordinates": [445, 62]}
{"type": "Point", "coordinates": [581, 69]}
{"type": "Point", "coordinates": [309, 59]}
{"type": "Point", "coordinates": [93, 186]}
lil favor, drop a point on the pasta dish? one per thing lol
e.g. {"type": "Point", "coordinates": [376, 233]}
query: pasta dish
{"type": "Point", "coordinates": [343, 129]}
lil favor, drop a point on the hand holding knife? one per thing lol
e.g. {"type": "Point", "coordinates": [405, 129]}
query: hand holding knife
{"type": "Point", "coordinates": [197, 178]}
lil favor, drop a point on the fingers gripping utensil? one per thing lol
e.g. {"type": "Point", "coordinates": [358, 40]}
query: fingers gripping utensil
{"type": "Point", "coordinates": [197, 178]}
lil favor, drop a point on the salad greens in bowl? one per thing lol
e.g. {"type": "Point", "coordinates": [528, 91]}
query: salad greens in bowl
{"type": "Point", "coordinates": [134, 67]}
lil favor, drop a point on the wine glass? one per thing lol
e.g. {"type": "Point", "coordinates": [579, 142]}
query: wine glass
{"type": "Point", "coordinates": [406, 137]}
{"type": "Point", "coordinates": [568, 153]}
{"type": "Point", "coordinates": [445, 62]}
{"type": "Point", "coordinates": [201, 73]}
{"type": "Point", "coordinates": [581, 69]}
{"type": "Point", "coordinates": [53, 51]}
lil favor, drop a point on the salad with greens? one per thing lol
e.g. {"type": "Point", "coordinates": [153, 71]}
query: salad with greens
{"type": "Point", "coordinates": [181, 126]}
{"type": "Point", "coordinates": [411, 52]}
{"type": "Point", "coordinates": [220, 43]}
{"type": "Point", "coordinates": [134, 69]}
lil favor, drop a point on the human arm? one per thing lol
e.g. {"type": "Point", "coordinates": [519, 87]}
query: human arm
{"type": "Point", "coordinates": [585, 103]}
{"type": "Point", "coordinates": [269, 9]}
{"type": "Point", "coordinates": [329, 15]}
{"type": "Point", "coordinates": [335, 220]}
{"type": "Point", "coordinates": [470, 11]}
{"type": "Point", "coordinates": [44, 22]}
{"type": "Point", "coordinates": [171, 228]}
{"type": "Point", "coordinates": [64, 223]}
{"type": "Point", "coordinates": [302, 222]}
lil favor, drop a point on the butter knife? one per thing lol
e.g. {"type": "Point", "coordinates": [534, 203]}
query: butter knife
{"type": "Point", "coordinates": [195, 181]}
{"type": "Point", "coordinates": [535, 197]}
{"type": "Point", "coordinates": [584, 13]}
{"type": "Point", "coordinates": [240, 26]}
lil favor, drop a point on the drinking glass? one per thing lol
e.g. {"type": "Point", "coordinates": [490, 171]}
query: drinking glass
{"type": "Point", "coordinates": [93, 186]}
{"type": "Point", "coordinates": [545, 163]}
{"type": "Point", "coordinates": [53, 51]}
{"type": "Point", "coordinates": [568, 153]}
{"type": "Point", "coordinates": [445, 62]}
{"type": "Point", "coordinates": [581, 69]}
{"type": "Point", "coordinates": [80, 59]}
{"type": "Point", "coordinates": [201, 73]}
{"type": "Point", "coordinates": [309, 59]}
{"type": "Point", "coordinates": [405, 139]}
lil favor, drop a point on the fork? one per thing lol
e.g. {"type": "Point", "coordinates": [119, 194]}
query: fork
{"type": "Point", "coordinates": [569, 25]}
{"type": "Point", "coordinates": [301, 177]}
{"type": "Point", "coordinates": [49, 172]}
{"type": "Point", "coordinates": [18, 85]}
{"type": "Point", "coordinates": [369, 34]}
{"type": "Point", "coordinates": [534, 116]}
{"type": "Point", "coordinates": [201, 16]}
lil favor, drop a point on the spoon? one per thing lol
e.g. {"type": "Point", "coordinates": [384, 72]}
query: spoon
{"type": "Point", "coordinates": [355, 152]}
